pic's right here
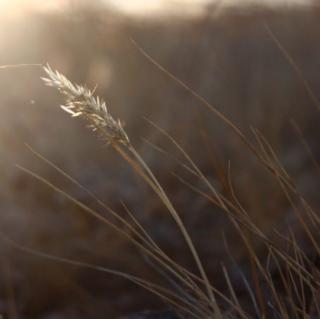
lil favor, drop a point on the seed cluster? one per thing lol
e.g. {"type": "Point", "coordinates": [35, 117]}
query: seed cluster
{"type": "Point", "coordinates": [80, 102]}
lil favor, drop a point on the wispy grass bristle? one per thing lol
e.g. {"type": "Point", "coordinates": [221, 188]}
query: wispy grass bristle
{"type": "Point", "coordinates": [80, 102]}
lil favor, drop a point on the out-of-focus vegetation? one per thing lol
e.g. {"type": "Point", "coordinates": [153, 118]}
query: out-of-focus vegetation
{"type": "Point", "coordinates": [232, 61]}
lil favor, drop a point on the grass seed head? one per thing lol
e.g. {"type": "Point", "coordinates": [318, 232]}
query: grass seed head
{"type": "Point", "coordinates": [80, 102]}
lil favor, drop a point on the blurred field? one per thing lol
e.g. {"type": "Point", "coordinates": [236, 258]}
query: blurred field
{"type": "Point", "coordinates": [231, 60]}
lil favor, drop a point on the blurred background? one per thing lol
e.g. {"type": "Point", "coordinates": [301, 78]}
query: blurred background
{"type": "Point", "coordinates": [221, 49]}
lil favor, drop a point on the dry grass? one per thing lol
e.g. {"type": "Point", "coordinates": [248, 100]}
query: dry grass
{"type": "Point", "coordinates": [297, 273]}
{"type": "Point", "coordinates": [279, 277]}
{"type": "Point", "coordinates": [81, 102]}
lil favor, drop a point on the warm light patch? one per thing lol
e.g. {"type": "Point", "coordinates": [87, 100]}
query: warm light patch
{"type": "Point", "coordinates": [18, 6]}
{"type": "Point", "coordinates": [9, 7]}
{"type": "Point", "coordinates": [157, 6]}
{"type": "Point", "coordinates": [153, 6]}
